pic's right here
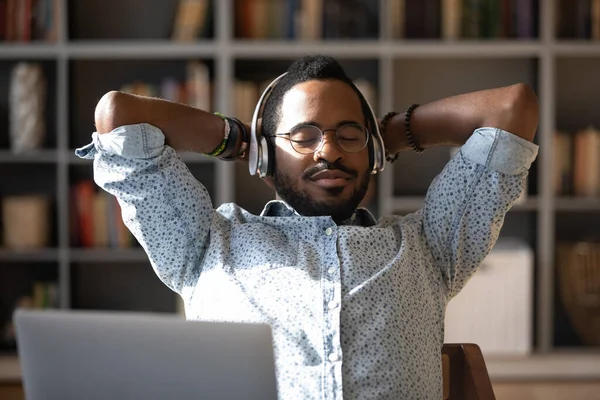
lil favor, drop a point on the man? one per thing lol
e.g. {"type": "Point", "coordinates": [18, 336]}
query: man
{"type": "Point", "coordinates": [356, 306]}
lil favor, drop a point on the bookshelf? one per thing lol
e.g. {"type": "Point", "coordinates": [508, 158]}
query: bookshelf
{"type": "Point", "coordinates": [89, 58]}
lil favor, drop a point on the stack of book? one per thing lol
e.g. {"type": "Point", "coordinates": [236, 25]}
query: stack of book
{"type": "Point", "coordinates": [96, 220]}
{"type": "Point", "coordinates": [26, 20]}
{"type": "Point", "coordinates": [463, 19]}
{"type": "Point", "coordinates": [577, 163]}
{"type": "Point", "coordinates": [195, 90]}
{"type": "Point", "coordinates": [306, 19]}
{"type": "Point", "coordinates": [578, 19]}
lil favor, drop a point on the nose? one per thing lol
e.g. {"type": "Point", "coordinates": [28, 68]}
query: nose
{"type": "Point", "coordinates": [328, 150]}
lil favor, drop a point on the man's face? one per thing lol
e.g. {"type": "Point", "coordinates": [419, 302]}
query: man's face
{"type": "Point", "coordinates": [328, 181]}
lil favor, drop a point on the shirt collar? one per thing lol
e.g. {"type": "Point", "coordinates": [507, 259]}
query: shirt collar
{"type": "Point", "coordinates": [279, 208]}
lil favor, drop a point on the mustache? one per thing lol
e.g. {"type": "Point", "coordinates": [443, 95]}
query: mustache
{"type": "Point", "coordinates": [326, 165]}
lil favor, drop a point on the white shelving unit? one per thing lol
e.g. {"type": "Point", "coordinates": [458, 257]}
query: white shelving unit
{"type": "Point", "coordinates": [391, 58]}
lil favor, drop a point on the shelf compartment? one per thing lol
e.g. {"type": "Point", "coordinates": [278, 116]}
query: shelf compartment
{"type": "Point", "coordinates": [115, 75]}
{"type": "Point", "coordinates": [422, 81]}
{"type": "Point", "coordinates": [572, 228]}
{"type": "Point", "coordinates": [96, 226]}
{"type": "Point", "coordinates": [19, 280]}
{"type": "Point", "coordinates": [16, 180]}
{"type": "Point", "coordinates": [119, 20]}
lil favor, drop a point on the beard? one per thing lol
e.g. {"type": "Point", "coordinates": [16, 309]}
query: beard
{"type": "Point", "coordinates": [308, 205]}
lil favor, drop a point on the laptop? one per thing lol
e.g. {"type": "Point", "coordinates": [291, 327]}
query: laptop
{"type": "Point", "coordinates": [108, 355]}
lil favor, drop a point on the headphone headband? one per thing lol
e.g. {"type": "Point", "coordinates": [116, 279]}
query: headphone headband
{"type": "Point", "coordinates": [255, 152]}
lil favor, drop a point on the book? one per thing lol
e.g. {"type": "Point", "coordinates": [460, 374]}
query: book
{"type": "Point", "coordinates": [96, 220]}
{"type": "Point", "coordinates": [312, 19]}
{"type": "Point", "coordinates": [563, 161]}
{"type": "Point", "coordinates": [190, 20]}
{"type": "Point", "coordinates": [451, 20]}
{"type": "Point", "coordinates": [422, 19]}
{"type": "Point", "coordinates": [525, 19]}
{"type": "Point", "coordinates": [472, 23]}
{"type": "Point", "coordinates": [397, 17]}
{"type": "Point", "coordinates": [595, 19]}
{"type": "Point", "coordinates": [100, 219]}
{"type": "Point", "coordinates": [586, 166]}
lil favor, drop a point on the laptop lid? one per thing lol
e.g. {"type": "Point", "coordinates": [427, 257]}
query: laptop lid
{"type": "Point", "coordinates": [105, 355]}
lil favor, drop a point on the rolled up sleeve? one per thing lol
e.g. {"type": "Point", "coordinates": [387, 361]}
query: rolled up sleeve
{"type": "Point", "coordinates": [467, 202]}
{"type": "Point", "coordinates": [167, 210]}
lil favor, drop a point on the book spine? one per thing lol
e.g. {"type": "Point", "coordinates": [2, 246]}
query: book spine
{"type": "Point", "coordinates": [472, 21]}
{"type": "Point", "coordinates": [595, 15]}
{"type": "Point", "coordinates": [451, 20]}
{"type": "Point", "coordinates": [583, 22]}
{"type": "Point", "coordinates": [525, 19]}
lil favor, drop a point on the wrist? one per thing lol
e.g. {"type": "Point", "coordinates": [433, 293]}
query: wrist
{"type": "Point", "coordinates": [398, 133]}
{"type": "Point", "coordinates": [394, 136]}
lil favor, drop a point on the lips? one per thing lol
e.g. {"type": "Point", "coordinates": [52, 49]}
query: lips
{"type": "Point", "coordinates": [330, 174]}
{"type": "Point", "coordinates": [329, 179]}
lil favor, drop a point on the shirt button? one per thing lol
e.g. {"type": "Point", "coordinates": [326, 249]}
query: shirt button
{"type": "Point", "coordinates": [331, 271]}
{"type": "Point", "coordinates": [332, 305]}
{"type": "Point", "coordinates": [333, 357]}
{"type": "Point", "coordinates": [328, 231]}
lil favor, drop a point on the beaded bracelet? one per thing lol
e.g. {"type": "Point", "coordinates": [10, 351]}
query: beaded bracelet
{"type": "Point", "coordinates": [219, 150]}
{"type": "Point", "coordinates": [409, 135]}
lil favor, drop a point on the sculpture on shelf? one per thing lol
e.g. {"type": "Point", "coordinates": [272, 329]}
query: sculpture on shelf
{"type": "Point", "coordinates": [27, 107]}
{"type": "Point", "coordinates": [579, 285]}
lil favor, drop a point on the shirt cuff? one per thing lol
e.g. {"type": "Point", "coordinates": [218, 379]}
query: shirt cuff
{"type": "Point", "coordinates": [500, 150]}
{"type": "Point", "coordinates": [128, 141]}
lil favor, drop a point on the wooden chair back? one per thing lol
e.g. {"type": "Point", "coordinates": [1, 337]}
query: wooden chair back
{"type": "Point", "coordinates": [465, 374]}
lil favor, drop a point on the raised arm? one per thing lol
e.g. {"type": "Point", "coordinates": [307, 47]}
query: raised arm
{"type": "Point", "coordinates": [466, 204]}
{"type": "Point", "coordinates": [452, 120]}
{"type": "Point", "coordinates": [185, 128]}
{"type": "Point", "coordinates": [169, 212]}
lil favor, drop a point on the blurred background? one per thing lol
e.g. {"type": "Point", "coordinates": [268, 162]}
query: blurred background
{"type": "Point", "coordinates": [63, 245]}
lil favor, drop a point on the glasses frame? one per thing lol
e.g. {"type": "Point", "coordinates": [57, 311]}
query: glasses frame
{"type": "Point", "coordinates": [286, 135]}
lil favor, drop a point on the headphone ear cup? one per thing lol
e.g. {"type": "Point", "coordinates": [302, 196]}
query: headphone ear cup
{"type": "Point", "coordinates": [271, 151]}
{"type": "Point", "coordinates": [378, 155]}
{"type": "Point", "coordinates": [267, 158]}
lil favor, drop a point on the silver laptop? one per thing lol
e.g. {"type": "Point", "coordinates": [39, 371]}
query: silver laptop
{"type": "Point", "coordinates": [104, 355]}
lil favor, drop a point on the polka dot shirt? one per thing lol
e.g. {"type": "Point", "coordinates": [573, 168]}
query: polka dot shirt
{"type": "Point", "coordinates": [356, 309]}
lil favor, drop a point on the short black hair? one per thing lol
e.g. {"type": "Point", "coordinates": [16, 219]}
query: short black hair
{"type": "Point", "coordinates": [307, 68]}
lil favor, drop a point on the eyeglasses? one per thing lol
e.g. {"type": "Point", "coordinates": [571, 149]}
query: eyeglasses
{"type": "Point", "coordinates": [306, 139]}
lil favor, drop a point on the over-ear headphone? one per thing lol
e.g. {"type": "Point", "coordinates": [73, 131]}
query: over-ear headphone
{"type": "Point", "coordinates": [262, 151]}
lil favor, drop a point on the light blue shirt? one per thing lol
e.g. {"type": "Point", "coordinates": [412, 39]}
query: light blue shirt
{"type": "Point", "coordinates": [357, 309]}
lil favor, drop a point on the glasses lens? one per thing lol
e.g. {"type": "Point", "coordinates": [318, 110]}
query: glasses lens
{"type": "Point", "coordinates": [305, 139]}
{"type": "Point", "coordinates": [352, 138]}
